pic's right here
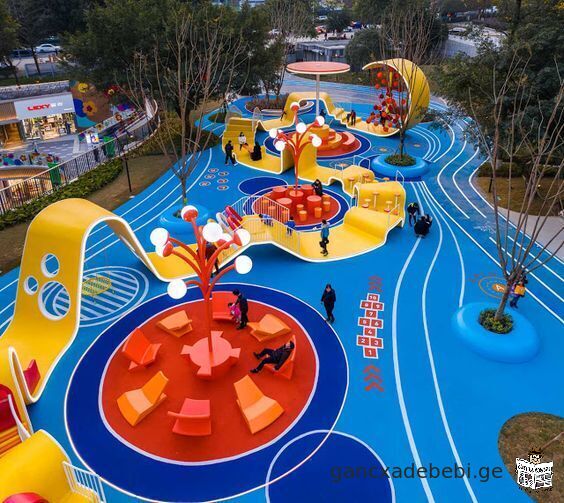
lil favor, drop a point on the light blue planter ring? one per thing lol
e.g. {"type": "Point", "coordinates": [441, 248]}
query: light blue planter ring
{"type": "Point", "coordinates": [414, 172]}
{"type": "Point", "coordinates": [177, 227]}
{"type": "Point", "coordinates": [518, 346]}
{"type": "Point", "coordinates": [277, 112]}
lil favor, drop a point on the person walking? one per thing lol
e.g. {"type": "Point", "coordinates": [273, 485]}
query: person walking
{"type": "Point", "coordinates": [242, 140]}
{"type": "Point", "coordinates": [328, 299]}
{"type": "Point", "coordinates": [517, 291]}
{"type": "Point", "coordinates": [353, 117]}
{"type": "Point", "coordinates": [229, 153]}
{"type": "Point", "coordinates": [413, 211]}
{"type": "Point", "coordinates": [243, 306]}
{"type": "Point", "coordinates": [324, 237]}
{"type": "Point", "coordinates": [256, 154]}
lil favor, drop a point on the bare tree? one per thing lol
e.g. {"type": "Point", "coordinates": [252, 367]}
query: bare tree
{"type": "Point", "coordinates": [289, 19]}
{"type": "Point", "coordinates": [193, 68]}
{"type": "Point", "coordinates": [405, 37]}
{"type": "Point", "coordinates": [539, 146]}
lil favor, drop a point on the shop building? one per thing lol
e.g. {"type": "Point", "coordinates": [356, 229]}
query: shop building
{"type": "Point", "coordinates": [36, 112]}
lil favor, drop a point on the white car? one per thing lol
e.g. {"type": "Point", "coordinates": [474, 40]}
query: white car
{"type": "Point", "coordinates": [47, 48]}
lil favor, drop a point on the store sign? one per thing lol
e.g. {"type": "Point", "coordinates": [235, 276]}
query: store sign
{"type": "Point", "coordinates": [44, 106]}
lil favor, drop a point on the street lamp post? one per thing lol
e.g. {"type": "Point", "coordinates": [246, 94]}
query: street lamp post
{"type": "Point", "coordinates": [298, 140]}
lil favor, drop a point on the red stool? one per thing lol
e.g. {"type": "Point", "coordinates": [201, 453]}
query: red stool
{"type": "Point", "coordinates": [312, 203]}
{"type": "Point", "coordinates": [278, 192]}
{"type": "Point", "coordinates": [307, 190]}
{"type": "Point", "coordinates": [302, 215]}
{"type": "Point", "coordinates": [286, 202]}
{"type": "Point", "coordinates": [317, 212]}
{"type": "Point", "coordinates": [326, 197]}
{"type": "Point", "coordinates": [297, 196]}
{"type": "Point", "coordinates": [326, 206]}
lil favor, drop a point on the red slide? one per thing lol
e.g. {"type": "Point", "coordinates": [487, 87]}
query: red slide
{"type": "Point", "coordinates": [25, 498]}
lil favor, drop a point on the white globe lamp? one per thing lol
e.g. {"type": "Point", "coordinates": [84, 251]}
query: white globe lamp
{"type": "Point", "coordinates": [316, 141]}
{"type": "Point", "coordinates": [273, 133]}
{"type": "Point", "coordinates": [280, 145]}
{"type": "Point", "coordinates": [159, 237]}
{"type": "Point", "coordinates": [212, 232]}
{"type": "Point", "coordinates": [176, 289]}
{"type": "Point", "coordinates": [243, 264]}
{"type": "Point", "coordinates": [301, 127]}
{"type": "Point", "coordinates": [244, 236]}
{"type": "Point", "coordinates": [320, 120]}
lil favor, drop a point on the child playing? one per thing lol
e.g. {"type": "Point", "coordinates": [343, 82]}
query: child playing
{"type": "Point", "coordinates": [235, 312]}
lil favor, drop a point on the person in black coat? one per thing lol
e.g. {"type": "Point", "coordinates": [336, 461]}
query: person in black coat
{"type": "Point", "coordinates": [413, 212]}
{"type": "Point", "coordinates": [328, 299]}
{"type": "Point", "coordinates": [423, 225]}
{"type": "Point", "coordinates": [243, 306]}
{"type": "Point", "coordinates": [317, 187]}
{"type": "Point", "coordinates": [275, 357]}
{"type": "Point", "coordinates": [229, 153]}
{"type": "Point", "coordinates": [256, 155]}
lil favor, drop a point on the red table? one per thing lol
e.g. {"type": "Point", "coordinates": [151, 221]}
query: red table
{"type": "Point", "coordinates": [278, 192]}
{"type": "Point", "coordinates": [313, 202]}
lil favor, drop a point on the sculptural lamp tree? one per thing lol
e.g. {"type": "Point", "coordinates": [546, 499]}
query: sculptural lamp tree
{"type": "Point", "coordinates": [298, 140]}
{"type": "Point", "coordinates": [202, 263]}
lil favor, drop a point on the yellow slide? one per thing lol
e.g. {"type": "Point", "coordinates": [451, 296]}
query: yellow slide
{"type": "Point", "coordinates": [36, 466]}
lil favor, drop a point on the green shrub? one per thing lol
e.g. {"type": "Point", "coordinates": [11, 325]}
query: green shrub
{"type": "Point", "coordinates": [488, 321]}
{"type": "Point", "coordinates": [82, 187]}
{"type": "Point", "coordinates": [400, 160]}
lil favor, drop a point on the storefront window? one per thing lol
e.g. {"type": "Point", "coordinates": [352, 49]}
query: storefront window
{"type": "Point", "coordinates": [52, 126]}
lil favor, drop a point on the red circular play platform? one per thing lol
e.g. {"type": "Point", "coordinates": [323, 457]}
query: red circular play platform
{"type": "Point", "coordinates": [230, 434]}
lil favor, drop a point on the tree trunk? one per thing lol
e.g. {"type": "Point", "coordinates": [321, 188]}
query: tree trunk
{"type": "Point", "coordinates": [401, 142]}
{"type": "Point", "coordinates": [184, 191]}
{"type": "Point", "coordinates": [516, 18]}
{"type": "Point", "coordinates": [503, 302]}
{"type": "Point", "coordinates": [34, 54]}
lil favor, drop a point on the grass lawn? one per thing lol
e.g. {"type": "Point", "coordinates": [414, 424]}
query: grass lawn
{"type": "Point", "coordinates": [144, 170]}
{"type": "Point", "coordinates": [532, 430]}
{"type": "Point", "coordinates": [517, 193]}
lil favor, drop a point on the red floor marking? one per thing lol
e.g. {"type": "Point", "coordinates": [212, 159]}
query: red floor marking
{"type": "Point", "coordinates": [230, 435]}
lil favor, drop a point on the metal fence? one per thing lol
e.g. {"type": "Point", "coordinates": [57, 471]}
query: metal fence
{"type": "Point", "coordinates": [52, 179]}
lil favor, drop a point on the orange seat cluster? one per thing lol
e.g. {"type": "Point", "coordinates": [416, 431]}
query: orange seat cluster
{"type": "Point", "coordinates": [268, 327]}
{"type": "Point", "coordinates": [177, 324]}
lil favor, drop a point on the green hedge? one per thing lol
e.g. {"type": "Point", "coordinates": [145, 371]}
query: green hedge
{"type": "Point", "coordinates": [82, 187]}
{"type": "Point", "coordinates": [400, 160]}
{"type": "Point", "coordinates": [488, 321]}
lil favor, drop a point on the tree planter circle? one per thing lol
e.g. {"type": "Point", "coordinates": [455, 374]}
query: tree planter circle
{"type": "Point", "coordinates": [277, 112]}
{"type": "Point", "coordinates": [171, 221]}
{"type": "Point", "coordinates": [518, 346]}
{"type": "Point", "coordinates": [381, 167]}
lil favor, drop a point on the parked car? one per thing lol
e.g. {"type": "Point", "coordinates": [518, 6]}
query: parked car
{"type": "Point", "coordinates": [20, 53]}
{"type": "Point", "coordinates": [47, 48]}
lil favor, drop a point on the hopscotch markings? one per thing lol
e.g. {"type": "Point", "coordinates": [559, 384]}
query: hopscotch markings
{"type": "Point", "coordinates": [370, 322]}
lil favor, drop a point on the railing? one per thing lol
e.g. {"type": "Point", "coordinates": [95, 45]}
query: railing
{"type": "Point", "coordinates": [22, 430]}
{"type": "Point", "coordinates": [85, 483]}
{"type": "Point", "coordinates": [398, 172]}
{"type": "Point", "coordinates": [51, 179]}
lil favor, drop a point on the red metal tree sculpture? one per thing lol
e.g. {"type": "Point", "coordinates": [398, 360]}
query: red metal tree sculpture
{"type": "Point", "coordinates": [211, 354]}
{"type": "Point", "coordinates": [298, 140]}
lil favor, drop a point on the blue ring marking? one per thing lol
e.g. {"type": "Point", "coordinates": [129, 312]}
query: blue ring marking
{"type": "Point", "coordinates": [518, 346]}
{"type": "Point", "coordinates": [159, 480]}
{"type": "Point", "coordinates": [327, 475]}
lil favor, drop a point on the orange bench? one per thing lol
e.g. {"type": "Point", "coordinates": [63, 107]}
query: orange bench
{"type": "Point", "coordinates": [268, 328]}
{"type": "Point", "coordinates": [194, 418]}
{"type": "Point", "coordinates": [139, 350]}
{"type": "Point", "coordinates": [220, 305]}
{"type": "Point", "coordinates": [287, 369]}
{"type": "Point", "coordinates": [258, 409]}
{"type": "Point", "coordinates": [177, 324]}
{"type": "Point", "coordinates": [136, 404]}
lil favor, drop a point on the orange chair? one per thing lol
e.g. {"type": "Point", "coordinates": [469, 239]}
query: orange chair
{"type": "Point", "coordinates": [220, 305]}
{"type": "Point", "coordinates": [194, 418]}
{"type": "Point", "coordinates": [287, 369]}
{"type": "Point", "coordinates": [136, 404]}
{"type": "Point", "coordinates": [140, 350]}
{"type": "Point", "coordinates": [268, 328]}
{"type": "Point", "coordinates": [177, 324]}
{"type": "Point", "coordinates": [258, 409]}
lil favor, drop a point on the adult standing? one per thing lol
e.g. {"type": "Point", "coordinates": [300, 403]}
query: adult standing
{"type": "Point", "coordinates": [242, 140]}
{"type": "Point", "coordinates": [328, 299]}
{"type": "Point", "coordinates": [324, 237]}
{"type": "Point", "coordinates": [413, 211]}
{"type": "Point", "coordinates": [243, 306]}
{"type": "Point", "coordinates": [229, 153]}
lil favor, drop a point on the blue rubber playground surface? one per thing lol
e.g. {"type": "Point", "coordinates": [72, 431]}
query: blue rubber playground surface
{"type": "Point", "coordinates": [422, 400]}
